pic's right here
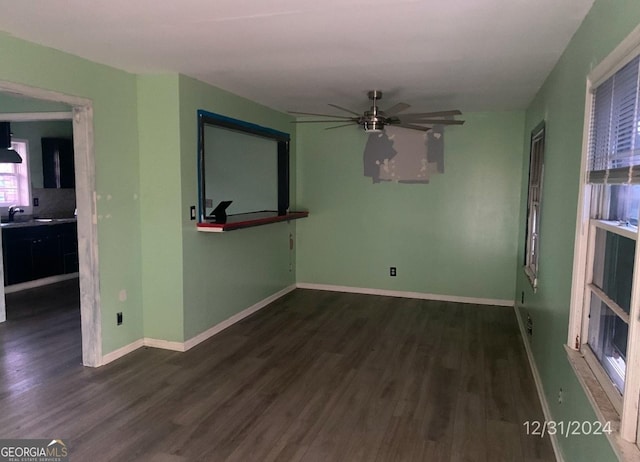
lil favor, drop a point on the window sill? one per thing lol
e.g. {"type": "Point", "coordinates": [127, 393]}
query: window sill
{"type": "Point", "coordinates": [604, 409]}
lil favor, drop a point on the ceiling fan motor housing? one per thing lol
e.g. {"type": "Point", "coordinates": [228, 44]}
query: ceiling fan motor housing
{"type": "Point", "coordinates": [372, 125]}
{"type": "Point", "coordinates": [373, 120]}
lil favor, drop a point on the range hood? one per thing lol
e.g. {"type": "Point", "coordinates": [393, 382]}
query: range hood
{"type": "Point", "coordinates": [7, 155]}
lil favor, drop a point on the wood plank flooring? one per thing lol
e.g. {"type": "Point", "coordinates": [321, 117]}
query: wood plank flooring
{"type": "Point", "coordinates": [316, 376]}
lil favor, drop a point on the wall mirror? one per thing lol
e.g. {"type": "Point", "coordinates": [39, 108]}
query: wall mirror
{"type": "Point", "coordinates": [243, 163]}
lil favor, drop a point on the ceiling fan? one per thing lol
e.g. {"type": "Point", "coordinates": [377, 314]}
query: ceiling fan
{"type": "Point", "coordinates": [374, 120]}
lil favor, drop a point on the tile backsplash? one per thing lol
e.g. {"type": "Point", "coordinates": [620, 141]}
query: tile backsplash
{"type": "Point", "coordinates": [54, 203]}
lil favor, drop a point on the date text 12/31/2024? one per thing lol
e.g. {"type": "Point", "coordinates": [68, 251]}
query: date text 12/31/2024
{"type": "Point", "coordinates": [566, 429]}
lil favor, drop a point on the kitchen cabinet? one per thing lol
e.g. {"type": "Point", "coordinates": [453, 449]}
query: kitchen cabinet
{"type": "Point", "coordinates": [69, 235]}
{"type": "Point", "coordinates": [45, 256]}
{"type": "Point", "coordinates": [57, 163]}
{"type": "Point", "coordinates": [36, 252]}
{"type": "Point", "coordinates": [16, 255]}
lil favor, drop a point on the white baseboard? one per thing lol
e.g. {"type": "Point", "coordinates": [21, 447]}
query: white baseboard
{"type": "Point", "coordinates": [235, 318]}
{"type": "Point", "coordinates": [402, 294]}
{"type": "Point", "coordinates": [163, 344]}
{"type": "Point", "coordinates": [40, 282]}
{"type": "Point", "coordinates": [122, 351]}
{"type": "Point", "coordinates": [538, 381]}
{"type": "Point", "coordinates": [184, 346]}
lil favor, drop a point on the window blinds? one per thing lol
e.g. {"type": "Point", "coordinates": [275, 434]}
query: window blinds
{"type": "Point", "coordinates": [614, 142]}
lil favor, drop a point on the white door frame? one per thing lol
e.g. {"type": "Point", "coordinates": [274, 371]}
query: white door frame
{"type": "Point", "coordinates": [85, 174]}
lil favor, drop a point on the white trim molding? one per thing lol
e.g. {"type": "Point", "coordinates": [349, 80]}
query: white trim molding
{"type": "Point", "coordinates": [85, 175]}
{"type": "Point", "coordinates": [87, 223]}
{"type": "Point", "coordinates": [187, 345]}
{"type": "Point", "coordinates": [34, 116]}
{"type": "Point", "coordinates": [602, 405]}
{"type": "Point", "coordinates": [122, 351]}
{"type": "Point", "coordinates": [163, 344]}
{"type": "Point", "coordinates": [141, 342]}
{"type": "Point", "coordinates": [235, 318]}
{"type": "Point", "coordinates": [403, 294]}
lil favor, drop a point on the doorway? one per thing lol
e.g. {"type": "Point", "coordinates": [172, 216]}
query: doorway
{"type": "Point", "coordinates": [81, 115]}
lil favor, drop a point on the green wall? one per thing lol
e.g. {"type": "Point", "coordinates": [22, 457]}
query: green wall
{"type": "Point", "coordinates": [454, 236]}
{"type": "Point", "coordinates": [12, 103]}
{"type": "Point", "coordinates": [560, 103]}
{"type": "Point", "coordinates": [114, 95]}
{"type": "Point", "coordinates": [226, 273]}
{"type": "Point", "coordinates": [192, 280]}
{"type": "Point", "coordinates": [160, 202]}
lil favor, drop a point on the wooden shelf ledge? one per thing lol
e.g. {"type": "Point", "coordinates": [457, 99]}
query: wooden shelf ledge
{"type": "Point", "coordinates": [248, 220]}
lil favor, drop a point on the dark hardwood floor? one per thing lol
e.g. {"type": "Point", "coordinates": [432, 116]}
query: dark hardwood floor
{"type": "Point", "coordinates": [316, 376]}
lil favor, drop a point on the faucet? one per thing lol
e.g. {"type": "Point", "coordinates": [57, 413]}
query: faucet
{"type": "Point", "coordinates": [12, 212]}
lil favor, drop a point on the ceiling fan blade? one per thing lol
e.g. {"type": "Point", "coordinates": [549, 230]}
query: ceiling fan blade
{"type": "Point", "coordinates": [321, 115]}
{"type": "Point", "coordinates": [432, 121]}
{"type": "Point", "coordinates": [396, 108]}
{"type": "Point", "coordinates": [413, 127]}
{"type": "Point", "coordinates": [453, 112]}
{"type": "Point", "coordinates": [321, 121]}
{"type": "Point", "coordinates": [345, 109]}
{"type": "Point", "coordinates": [340, 126]}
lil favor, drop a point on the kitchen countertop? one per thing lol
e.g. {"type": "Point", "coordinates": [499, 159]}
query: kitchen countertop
{"type": "Point", "coordinates": [36, 222]}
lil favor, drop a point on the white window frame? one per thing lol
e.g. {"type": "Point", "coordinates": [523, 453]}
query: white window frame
{"type": "Point", "coordinates": [25, 183]}
{"type": "Point", "coordinates": [621, 411]}
{"type": "Point", "coordinates": [534, 204]}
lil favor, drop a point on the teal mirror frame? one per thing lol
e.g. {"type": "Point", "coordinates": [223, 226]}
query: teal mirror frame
{"type": "Point", "coordinates": [283, 140]}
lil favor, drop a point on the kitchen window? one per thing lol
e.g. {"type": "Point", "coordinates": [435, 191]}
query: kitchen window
{"type": "Point", "coordinates": [14, 178]}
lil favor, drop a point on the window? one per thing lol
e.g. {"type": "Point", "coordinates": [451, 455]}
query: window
{"type": "Point", "coordinates": [536, 171]}
{"type": "Point", "coordinates": [14, 178]}
{"type": "Point", "coordinates": [604, 324]}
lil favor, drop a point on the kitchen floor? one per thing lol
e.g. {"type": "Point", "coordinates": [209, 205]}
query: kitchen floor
{"type": "Point", "coordinates": [41, 338]}
{"type": "Point", "coordinates": [42, 304]}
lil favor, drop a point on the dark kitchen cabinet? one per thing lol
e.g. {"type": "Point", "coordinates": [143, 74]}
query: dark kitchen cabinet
{"type": "Point", "coordinates": [36, 252]}
{"type": "Point", "coordinates": [69, 236]}
{"type": "Point", "coordinates": [45, 255]}
{"type": "Point", "coordinates": [57, 163]}
{"type": "Point", "coordinates": [16, 256]}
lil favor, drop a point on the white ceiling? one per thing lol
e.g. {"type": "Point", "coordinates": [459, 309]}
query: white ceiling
{"type": "Point", "coordinates": [301, 54]}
